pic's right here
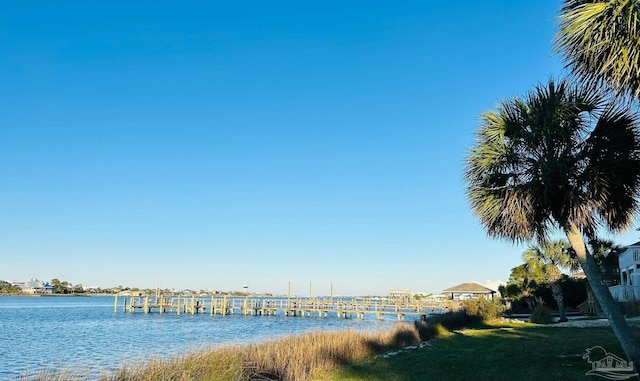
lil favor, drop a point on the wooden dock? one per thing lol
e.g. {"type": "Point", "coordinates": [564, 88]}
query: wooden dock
{"type": "Point", "coordinates": [280, 306]}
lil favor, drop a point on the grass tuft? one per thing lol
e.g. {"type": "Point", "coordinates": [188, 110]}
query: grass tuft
{"type": "Point", "coordinates": [296, 357]}
{"type": "Point", "coordinates": [541, 315]}
{"type": "Point", "coordinates": [226, 364]}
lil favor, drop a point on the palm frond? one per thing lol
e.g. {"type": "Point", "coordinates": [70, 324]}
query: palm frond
{"type": "Point", "coordinates": [600, 42]}
{"type": "Point", "coordinates": [557, 156]}
{"type": "Point", "coordinates": [549, 258]}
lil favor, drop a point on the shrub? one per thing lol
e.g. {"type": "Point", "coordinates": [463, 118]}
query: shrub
{"type": "Point", "coordinates": [520, 306]}
{"type": "Point", "coordinates": [481, 309]}
{"type": "Point", "coordinates": [541, 315]}
{"type": "Point", "coordinates": [440, 331]}
{"type": "Point", "coordinates": [574, 291]}
{"type": "Point", "coordinates": [450, 320]}
{"type": "Point", "coordinates": [430, 330]}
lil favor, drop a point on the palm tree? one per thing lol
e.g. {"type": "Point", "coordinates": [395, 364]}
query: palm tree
{"type": "Point", "coordinates": [522, 283]}
{"type": "Point", "coordinates": [606, 254]}
{"type": "Point", "coordinates": [549, 259]}
{"type": "Point", "coordinates": [561, 157]}
{"type": "Point", "coordinates": [600, 42]}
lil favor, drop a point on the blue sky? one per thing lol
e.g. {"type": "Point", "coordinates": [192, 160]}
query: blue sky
{"type": "Point", "coordinates": [211, 145]}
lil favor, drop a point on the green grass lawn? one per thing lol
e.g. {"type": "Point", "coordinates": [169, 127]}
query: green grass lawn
{"type": "Point", "coordinates": [510, 353]}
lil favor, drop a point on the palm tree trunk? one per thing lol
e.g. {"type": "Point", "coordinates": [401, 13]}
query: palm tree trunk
{"type": "Point", "coordinates": [602, 294]}
{"type": "Point", "coordinates": [556, 289]}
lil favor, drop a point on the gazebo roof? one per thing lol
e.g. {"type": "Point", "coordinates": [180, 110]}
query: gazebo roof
{"type": "Point", "coordinates": [471, 288]}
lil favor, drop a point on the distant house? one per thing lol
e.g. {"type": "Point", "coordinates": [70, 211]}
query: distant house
{"type": "Point", "coordinates": [403, 295]}
{"type": "Point", "coordinates": [34, 286]}
{"type": "Point", "coordinates": [629, 264]}
{"type": "Point", "coordinates": [436, 298]}
{"type": "Point", "coordinates": [465, 291]}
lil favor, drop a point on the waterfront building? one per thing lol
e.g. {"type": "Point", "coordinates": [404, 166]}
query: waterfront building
{"type": "Point", "coordinates": [466, 291]}
{"type": "Point", "coordinates": [35, 286]}
{"type": "Point", "coordinates": [629, 265]}
{"type": "Point", "coordinates": [401, 295]}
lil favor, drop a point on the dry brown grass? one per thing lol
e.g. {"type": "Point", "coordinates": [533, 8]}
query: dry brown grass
{"type": "Point", "coordinates": [224, 364]}
{"type": "Point", "coordinates": [297, 357]}
{"type": "Point", "coordinates": [287, 359]}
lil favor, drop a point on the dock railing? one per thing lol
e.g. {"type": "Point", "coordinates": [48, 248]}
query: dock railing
{"type": "Point", "coordinates": [287, 306]}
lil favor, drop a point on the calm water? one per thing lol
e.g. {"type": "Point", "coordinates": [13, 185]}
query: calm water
{"type": "Point", "coordinates": [83, 332]}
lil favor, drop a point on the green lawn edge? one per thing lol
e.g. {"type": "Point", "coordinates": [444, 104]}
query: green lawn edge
{"type": "Point", "coordinates": [491, 352]}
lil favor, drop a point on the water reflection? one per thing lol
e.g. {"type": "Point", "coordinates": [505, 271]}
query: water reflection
{"type": "Point", "coordinates": [83, 332]}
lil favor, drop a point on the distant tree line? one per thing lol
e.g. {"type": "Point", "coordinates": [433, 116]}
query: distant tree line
{"type": "Point", "coordinates": [67, 288]}
{"type": "Point", "coordinates": [60, 287]}
{"type": "Point", "coordinates": [8, 288]}
{"type": "Point", "coordinates": [64, 287]}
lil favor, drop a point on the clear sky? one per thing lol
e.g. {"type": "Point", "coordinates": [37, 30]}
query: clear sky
{"type": "Point", "coordinates": [206, 145]}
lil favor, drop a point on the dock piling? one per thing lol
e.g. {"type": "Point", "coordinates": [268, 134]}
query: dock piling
{"type": "Point", "coordinates": [343, 308]}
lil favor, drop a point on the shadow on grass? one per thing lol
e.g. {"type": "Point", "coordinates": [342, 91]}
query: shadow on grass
{"type": "Point", "coordinates": [492, 353]}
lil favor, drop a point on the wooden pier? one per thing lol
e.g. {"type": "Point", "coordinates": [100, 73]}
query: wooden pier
{"type": "Point", "coordinates": [283, 306]}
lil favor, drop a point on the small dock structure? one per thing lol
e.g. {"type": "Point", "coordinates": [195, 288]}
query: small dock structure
{"type": "Point", "coordinates": [340, 307]}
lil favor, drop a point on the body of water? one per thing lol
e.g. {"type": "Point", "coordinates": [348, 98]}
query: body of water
{"type": "Point", "coordinates": [83, 333]}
